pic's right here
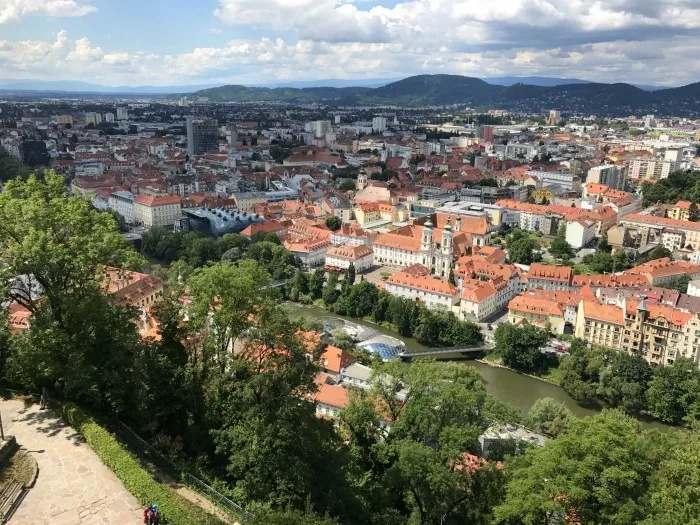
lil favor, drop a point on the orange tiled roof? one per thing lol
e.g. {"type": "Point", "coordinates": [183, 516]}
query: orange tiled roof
{"type": "Point", "coordinates": [165, 200]}
{"type": "Point", "coordinates": [335, 359]}
{"type": "Point", "coordinates": [608, 313]}
{"type": "Point", "coordinates": [550, 273]}
{"type": "Point", "coordinates": [423, 282]}
{"type": "Point", "coordinates": [536, 305]}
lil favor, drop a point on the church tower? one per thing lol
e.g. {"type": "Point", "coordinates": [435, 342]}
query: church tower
{"type": "Point", "coordinates": [447, 249]}
{"type": "Point", "coordinates": [361, 180]}
{"type": "Point", "coordinates": [427, 245]}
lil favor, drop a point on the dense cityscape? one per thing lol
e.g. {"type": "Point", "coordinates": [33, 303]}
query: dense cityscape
{"type": "Point", "coordinates": [309, 263]}
{"type": "Point", "coordinates": [279, 299]}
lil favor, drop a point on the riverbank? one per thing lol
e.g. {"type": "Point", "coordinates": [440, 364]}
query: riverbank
{"type": "Point", "coordinates": [517, 389]}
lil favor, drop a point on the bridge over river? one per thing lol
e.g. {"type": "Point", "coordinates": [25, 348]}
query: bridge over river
{"type": "Point", "coordinates": [472, 351]}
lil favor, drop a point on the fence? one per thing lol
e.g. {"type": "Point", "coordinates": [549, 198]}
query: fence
{"type": "Point", "coordinates": [192, 481]}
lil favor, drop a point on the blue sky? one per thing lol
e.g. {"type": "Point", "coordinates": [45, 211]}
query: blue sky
{"type": "Point", "coordinates": [129, 42]}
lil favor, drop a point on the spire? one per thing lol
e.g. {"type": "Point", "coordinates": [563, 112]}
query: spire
{"type": "Point", "coordinates": [429, 222]}
{"type": "Point", "coordinates": [448, 226]}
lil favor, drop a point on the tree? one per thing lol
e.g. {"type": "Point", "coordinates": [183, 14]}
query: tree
{"type": "Point", "coordinates": [11, 168]}
{"type": "Point", "coordinates": [674, 493]}
{"type": "Point", "coordinates": [316, 282]}
{"type": "Point", "coordinates": [276, 449]}
{"type": "Point", "coordinates": [623, 381]}
{"type": "Point", "coordinates": [361, 299]}
{"type": "Point", "coordinates": [451, 278]}
{"type": "Point", "coordinates": [548, 416]}
{"type": "Point", "coordinates": [419, 462]}
{"type": "Point", "coordinates": [674, 393]}
{"type": "Point", "coordinates": [330, 293]}
{"type": "Point", "coordinates": [603, 245]}
{"type": "Point", "coordinates": [223, 296]}
{"type": "Point", "coordinates": [522, 251]}
{"type": "Point", "coordinates": [693, 213]}
{"type": "Point", "coordinates": [334, 223]}
{"type": "Point", "coordinates": [298, 286]}
{"type": "Point", "coordinates": [598, 471]}
{"type": "Point", "coordinates": [60, 244]}
{"type": "Point", "coordinates": [520, 346]}
{"type": "Point", "coordinates": [561, 248]}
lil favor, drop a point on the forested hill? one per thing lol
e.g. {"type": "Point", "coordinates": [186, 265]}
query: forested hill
{"type": "Point", "coordinates": [440, 90]}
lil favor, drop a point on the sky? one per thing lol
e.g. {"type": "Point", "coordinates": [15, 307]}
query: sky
{"type": "Point", "coordinates": [185, 42]}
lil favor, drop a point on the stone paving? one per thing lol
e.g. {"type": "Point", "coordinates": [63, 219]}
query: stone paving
{"type": "Point", "coordinates": [73, 487]}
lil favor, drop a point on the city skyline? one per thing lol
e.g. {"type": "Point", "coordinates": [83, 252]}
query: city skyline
{"type": "Point", "coordinates": [272, 41]}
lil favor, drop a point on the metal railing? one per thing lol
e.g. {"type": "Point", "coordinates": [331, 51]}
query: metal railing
{"type": "Point", "coordinates": [190, 480]}
{"type": "Point", "coordinates": [215, 496]}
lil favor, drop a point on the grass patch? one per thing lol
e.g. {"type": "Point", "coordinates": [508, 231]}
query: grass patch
{"type": "Point", "coordinates": [553, 375]}
{"type": "Point", "coordinates": [494, 357]}
{"type": "Point", "coordinates": [176, 509]}
{"type": "Point", "coordinates": [19, 467]}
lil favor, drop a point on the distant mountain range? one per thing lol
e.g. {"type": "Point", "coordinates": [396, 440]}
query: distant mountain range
{"type": "Point", "coordinates": [442, 90]}
{"type": "Point", "coordinates": [71, 86]}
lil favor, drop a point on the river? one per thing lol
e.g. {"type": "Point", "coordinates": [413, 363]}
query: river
{"type": "Point", "coordinates": [515, 389]}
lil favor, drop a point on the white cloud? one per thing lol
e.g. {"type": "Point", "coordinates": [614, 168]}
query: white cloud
{"type": "Point", "coordinates": [612, 41]}
{"type": "Point", "coordinates": [64, 59]}
{"type": "Point", "coordinates": [17, 9]}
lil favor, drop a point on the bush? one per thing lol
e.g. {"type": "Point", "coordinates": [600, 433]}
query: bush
{"type": "Point", "coordinates": [128, 469]}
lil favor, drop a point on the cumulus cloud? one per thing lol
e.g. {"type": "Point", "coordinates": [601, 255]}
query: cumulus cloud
{"type": "Point", "coordinates": [16, 9]}
{"type": "Point", "coordinates": [611, 41]}
{"type": "Point", "coordinates": [68, 59]}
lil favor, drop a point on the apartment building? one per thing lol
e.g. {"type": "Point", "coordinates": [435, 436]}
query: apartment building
{"type": "Point", "coordinates": [122, 202]}
{"type": "Point", "coordinates": [156, 211]}
{"type": "Point", "coordinates": [660, 334]}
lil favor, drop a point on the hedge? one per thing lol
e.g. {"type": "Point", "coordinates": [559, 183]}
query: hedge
{"type": "Point", "coordinates": [177, 510]}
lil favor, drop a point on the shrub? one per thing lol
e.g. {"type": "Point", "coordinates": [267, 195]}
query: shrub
{"type": "Point", "coordinates": [128, 469]}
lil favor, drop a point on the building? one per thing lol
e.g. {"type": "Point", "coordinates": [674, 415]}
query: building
{"type": "Point", "coordinates": [122, 202]}
{"type": "Point", "coordinates": [122, 113]}
{"type": "Point", "coordinates": [508, 433]}
{"type": "Point", "coordinates": [563, 177]}
{"type": "Point", "coordinates": [311, 252]}
{"type": "Point", "coordinates": [109, 117]}
{"type": "Point", "coordinates": [416, 284]}
{"type": "Point", "coordinates": [341, 257]}
{"type": "Point", "coordinates": [608, 174]}
{"type": "Point", "coordinates": [247, 200]}
{"type": "Point", "coordinates": [353, 235]}
{"type": "Point", "coordinates": [549, 277]}
{"type": "Point", "coordinates": [680, 211]}
{"type": "Point", "coordinates": [580, 233]}
{"type": "Point", "coordinates": [330, 399]}
{"type": "Point", "coordinates": [216, 222]}
{"type": "Point", "coordinates": [93, 118]}
{"type": "Point", "coordinates": [538, 311]}
{"type": "Point", "coordinates": [202, 136]}
{"type": "Point", "coordinates": [660, 334]}
{"type": "Point", "coordinates": [63, 120]}
{"type": "Point", "coordinates": [651, 168]}
{"type": "Point", "coordinates": [157, 211]}
{"type": "Point", "coordinates": [321, 127]}
{"type": "Point", "coordinates": [554, 117]}
{"type": "Point", "coordinates": [487, 134]}
{"type": "Point", "coordinates": [379, 124]}
{"type": "Point", "coordinates": [651, 227]}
